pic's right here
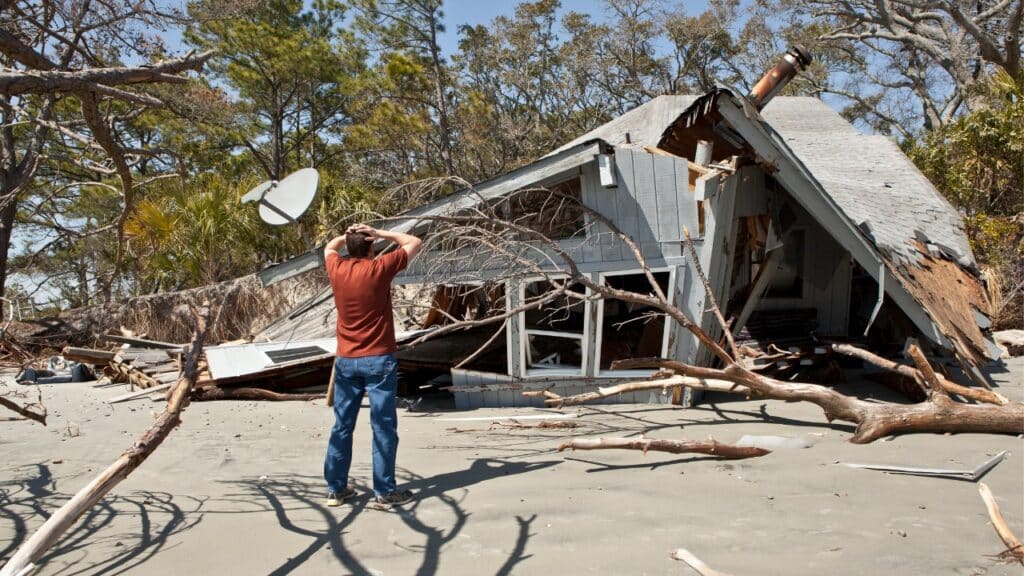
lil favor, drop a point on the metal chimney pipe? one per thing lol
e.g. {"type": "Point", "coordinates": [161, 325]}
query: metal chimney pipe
{"type": "Point", "coordinates": [792, 62]}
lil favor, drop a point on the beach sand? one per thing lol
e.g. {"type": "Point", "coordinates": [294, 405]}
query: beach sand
{"type": "Point", "coordinates": [237, 489]}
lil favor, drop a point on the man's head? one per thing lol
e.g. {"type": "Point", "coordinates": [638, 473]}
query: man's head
{"type": "Point", "coordinates": [359, 245]}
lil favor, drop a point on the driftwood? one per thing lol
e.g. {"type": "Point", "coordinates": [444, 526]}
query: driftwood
{"type": "Point", "coordinates": [1014, 549]}
{"type": "Point", "coordinates": [710, 446]}
{"type": "Point", "coordinates": [88, 355]}
{"type": "Point", "coordinates": [220, 393]}
{"type": "Point", "coordinates": [976, 394]}
{"type": "Point", "coordinates": [658, 384]}
{"type": "Point", "coordinates": [27, 411]}
{"type": "Point", "coordinates": [47, 535]}
{"type": "Point", "coordinates": [874, 420]}
{"type": "Point", "coordinates": [684, 555]}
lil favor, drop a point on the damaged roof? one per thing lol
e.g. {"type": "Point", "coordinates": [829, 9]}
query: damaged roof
{"type": "Point", "coordinates": [866, 175]}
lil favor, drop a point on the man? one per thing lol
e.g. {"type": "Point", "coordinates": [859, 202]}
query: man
{"type": "Point", "coordinates": [366, 357]}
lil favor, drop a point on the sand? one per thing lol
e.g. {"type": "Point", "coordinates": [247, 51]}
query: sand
{"type": "Point", "coordinates": [237, 489]}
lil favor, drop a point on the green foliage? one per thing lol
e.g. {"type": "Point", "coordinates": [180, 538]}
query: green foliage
{"type": "Point", "coordinates": [194, 234]}
{"type": "Point", "coordinates": [291, 72]}
{"type": "Point", "coordinates": [977, 162]}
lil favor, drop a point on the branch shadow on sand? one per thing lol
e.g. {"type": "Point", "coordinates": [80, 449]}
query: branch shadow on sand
{"type": "Point", "coordinates": [158, 516]}
{"type": "Point", "coordinates": [299, 506]}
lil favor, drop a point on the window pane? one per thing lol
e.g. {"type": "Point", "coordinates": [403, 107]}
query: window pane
{"type": "Point", "coordinates": [553, 353]}
{"type": "Point", "coordinates": [631, 330]}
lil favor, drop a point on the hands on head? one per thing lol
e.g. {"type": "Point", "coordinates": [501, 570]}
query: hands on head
{"type": "Point", "coordinates": [369, 231]}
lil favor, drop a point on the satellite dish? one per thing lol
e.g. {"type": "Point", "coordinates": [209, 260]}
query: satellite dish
{"type": "Point", "coordinates": [285, 201]}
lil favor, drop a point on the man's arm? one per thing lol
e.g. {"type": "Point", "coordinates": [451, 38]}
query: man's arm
{"type": "Point", "coordinates": [334, 245]}
{"type": "Point", "coordinates": [407, 242]}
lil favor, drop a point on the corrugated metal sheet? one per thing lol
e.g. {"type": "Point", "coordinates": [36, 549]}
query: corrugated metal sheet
{"type": "Point", "coordinates": [234, 360]}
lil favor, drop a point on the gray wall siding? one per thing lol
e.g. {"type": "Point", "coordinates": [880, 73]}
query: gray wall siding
{"type": "Point", "coordinates": [651, 203]}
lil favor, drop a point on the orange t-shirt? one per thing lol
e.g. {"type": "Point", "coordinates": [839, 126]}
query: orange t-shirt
{"type": "Point", "coordinates": [362, 294]}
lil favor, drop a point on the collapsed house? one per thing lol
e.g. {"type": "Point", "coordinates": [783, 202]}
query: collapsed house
{"type": "Point", "coordinates": [805, 228]}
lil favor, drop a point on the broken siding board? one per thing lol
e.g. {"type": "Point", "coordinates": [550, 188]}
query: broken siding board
{"type": "Point", "coordinates": [685, 201]}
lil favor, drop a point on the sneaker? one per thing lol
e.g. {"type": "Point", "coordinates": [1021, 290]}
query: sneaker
{"type": "Point", "coordinates": [336, 498]}
{"type": "Point", "coordinates": [393, 499]}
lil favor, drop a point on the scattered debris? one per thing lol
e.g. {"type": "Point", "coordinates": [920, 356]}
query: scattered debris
{"type": "Point", "coordinates": [58, 370]}
{"type": "Point", "coordinates": [969, 475]}
{"type": "Point", "coordinates": [513, 425]}
{"type": "Point", "coordinates": [507, 417]}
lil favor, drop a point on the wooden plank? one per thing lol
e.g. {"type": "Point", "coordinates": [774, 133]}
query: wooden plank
{"type": "Point", "coordinates": [765, 273]}
{"type": "Point", "coordinates": [140, 342]}
{"type": "Point", "coordinates": [87, 355]}
{"type": "Point", "coordinates": [138, 393]}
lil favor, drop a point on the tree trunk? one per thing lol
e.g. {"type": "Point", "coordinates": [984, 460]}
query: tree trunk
{"type": "Point", "coordinates": [442, 106]}
{"type": "Point", "coordinates": [874, 420]}
{"type": "Point", "coordinates": [218, 393]}
{"type": "Point", "coordinates": [6, 227]}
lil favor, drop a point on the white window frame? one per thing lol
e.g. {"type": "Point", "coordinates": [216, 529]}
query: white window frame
{"type": "Point", "coordinates": [524, 334]}
{"type": "Point", "coordinates": [666, 336]}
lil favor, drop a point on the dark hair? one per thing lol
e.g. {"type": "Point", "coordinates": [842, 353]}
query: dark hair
{"type": "Point", "coordinates": [358, 244]}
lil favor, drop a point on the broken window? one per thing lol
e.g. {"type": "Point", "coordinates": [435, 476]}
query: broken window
{"type": "Point", "coordinates": [628, 329]}
{"type": "Point", "coordinates": [556, 216]}
{"type": "Point", "coordinates": [554, 334]}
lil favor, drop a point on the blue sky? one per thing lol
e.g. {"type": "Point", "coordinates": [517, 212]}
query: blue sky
{"type": "Point", "coordinates": [473, 12]}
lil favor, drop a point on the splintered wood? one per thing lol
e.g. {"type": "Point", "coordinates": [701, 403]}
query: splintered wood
{"type": "Point", "coordinates": [950, 293]}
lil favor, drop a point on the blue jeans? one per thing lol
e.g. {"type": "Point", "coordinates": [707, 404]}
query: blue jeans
{"type": "Point", "coordinates": [376, 376]}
